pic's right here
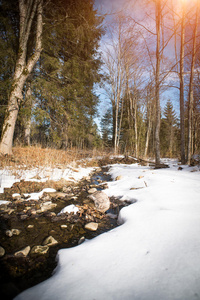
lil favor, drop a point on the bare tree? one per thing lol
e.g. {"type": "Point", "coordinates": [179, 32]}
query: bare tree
{"type": "Point", "coordinates": [157, 80]}
{"type": "Point", "coordinates": [181, 76]}
{"type": "Point", "coordinates": [191, 84]}
{"type": "Point", "coordinates": [150, 108]}
{"type": "Point", "coordinates": [27, 117]}
{"type": "Point", "coordinates": [28, 11]}
{"type": "Point", "coordinates": [113, 55]}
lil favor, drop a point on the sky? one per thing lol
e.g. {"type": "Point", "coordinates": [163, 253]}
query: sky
{"type": "Point", "coordinates": [135, 8]}
{"type": "Point", "coordinates": [154, 254]}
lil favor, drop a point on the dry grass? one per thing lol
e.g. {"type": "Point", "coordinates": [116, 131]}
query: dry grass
{"type": "Point", "coordinates": [36, 156]}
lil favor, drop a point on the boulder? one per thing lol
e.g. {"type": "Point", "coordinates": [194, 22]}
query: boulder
{"type": "Point", "coordinates": [101, 201]}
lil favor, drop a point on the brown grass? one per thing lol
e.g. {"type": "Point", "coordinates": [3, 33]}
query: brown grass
{"type": "Point", "coordinates": [36, 156]}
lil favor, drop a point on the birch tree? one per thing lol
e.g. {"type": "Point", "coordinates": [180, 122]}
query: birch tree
{"type": "Point", "coordinates": [30, 15]}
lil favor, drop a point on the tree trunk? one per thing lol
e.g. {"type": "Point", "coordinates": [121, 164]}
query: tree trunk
{"type": "Point", "coordinates": [182, 123]}
{"type": "Point", "coordinates": [191, 98]}
{"type": "Point", "coordinates": [135, 124]}
{"type": "Point", "coordinates": [23, 68]}
{"type": "Point", "coordinates": [157, 87]}
{"type": "Point", "coordinates": [27, 120]}
{"type": "Point", "coordinates": [149, 127]}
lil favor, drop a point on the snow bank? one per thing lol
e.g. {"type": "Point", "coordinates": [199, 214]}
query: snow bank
{"type": "Point", "coordinates": [41, 175]}
{"type": "Point", "coordinates": [153, 255]}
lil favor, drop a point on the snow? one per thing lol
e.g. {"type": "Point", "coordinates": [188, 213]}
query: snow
{"type": "Point", "coordinates": [154, 254]}
{"type": "Point", "coordinates": [37, 196]}
{"type": "Point", "coordinates": [4, 202]}
{"type": "Point", "coordinates": [7, 179]}
{"type": "Point", "coordinates": [69, 208]}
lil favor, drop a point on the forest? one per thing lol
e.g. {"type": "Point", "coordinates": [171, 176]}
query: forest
{"type": "Point", "coordinates": [59, 59]}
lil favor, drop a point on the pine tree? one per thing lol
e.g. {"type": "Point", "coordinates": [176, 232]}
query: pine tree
{"type": "Point", "coordinates": [68, 70]}
{"type": "Point", "coordinates": [106, 128]}
{"type": "Point", "coordinates": [168, 129]}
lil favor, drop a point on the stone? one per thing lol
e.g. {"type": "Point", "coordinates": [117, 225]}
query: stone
{"type": "Point", "coordinates": [47, 206]}
{"type": "Point", "coordinates": [24, 252]}
{"type": "Point", "coordinates": [63, 226]}
{"type": "Point", "coordinates": [118, 177]}
{"type": "Point", "coordinates": [56, 195]}
{"type": "Point", "coordinates": [16, 231]}
{"type": "Point", "coordinates": [23, 217]}
{"type": "Point", "coordinates": [49, 241]}
{"type": "Point", "coordinates": [112, 216]}
{"type": "Point", "coordinates": [92, 191]}
{"type": "Point", "coordinates": [30, 226]}
{"type": "Point", "coordinates": [40, 249]}
{"type": "Point", "coordinates": [91, 226]}
{"type": "Point", "coordinates": [2, 251]}
{"type": "Point", "coordinates": [81, 240]}
{"type": "Point", "coordinates": [9, 233]}
{"type": "Point", "coordinates": [101, 201]}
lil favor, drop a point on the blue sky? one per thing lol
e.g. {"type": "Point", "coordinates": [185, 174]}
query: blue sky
{"type": "Point", "coordinates": [134, 7]}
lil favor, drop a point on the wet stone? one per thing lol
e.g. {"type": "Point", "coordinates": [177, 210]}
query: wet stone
{"type": "Point", "coordinates": [82, 240]}
{"type": "Point", "coordinates": [24, 252]}
{"type": "Point", "coordinates": [40, 249]}
{"type": "Point", "coordinates": [9, 233]}
{"type": "Point", "coordinates": [63, 226]}
{"type": "Point", "coordinates": [49, 241]}
{"type": "Point", "coordinates": [2, 251]}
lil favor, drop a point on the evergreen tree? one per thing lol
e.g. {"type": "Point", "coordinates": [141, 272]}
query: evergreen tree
{"type": "Point", "coordinates": [63, 101]}
{"type": "Point", "coordinates": [168, 130]}
{"type": "Point", "coordinates": [106, 128]}
{"type": "Point", "coordinates": [68, 70]}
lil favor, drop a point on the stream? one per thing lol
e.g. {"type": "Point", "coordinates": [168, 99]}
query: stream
{"type": "Point", "coordinates": [21, 272]}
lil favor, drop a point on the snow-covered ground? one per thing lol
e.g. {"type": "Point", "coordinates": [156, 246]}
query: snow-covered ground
{"type": "Point", "coordinates": [41, 175]}
{"type": "Point", "coordinates": [154, 254]}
